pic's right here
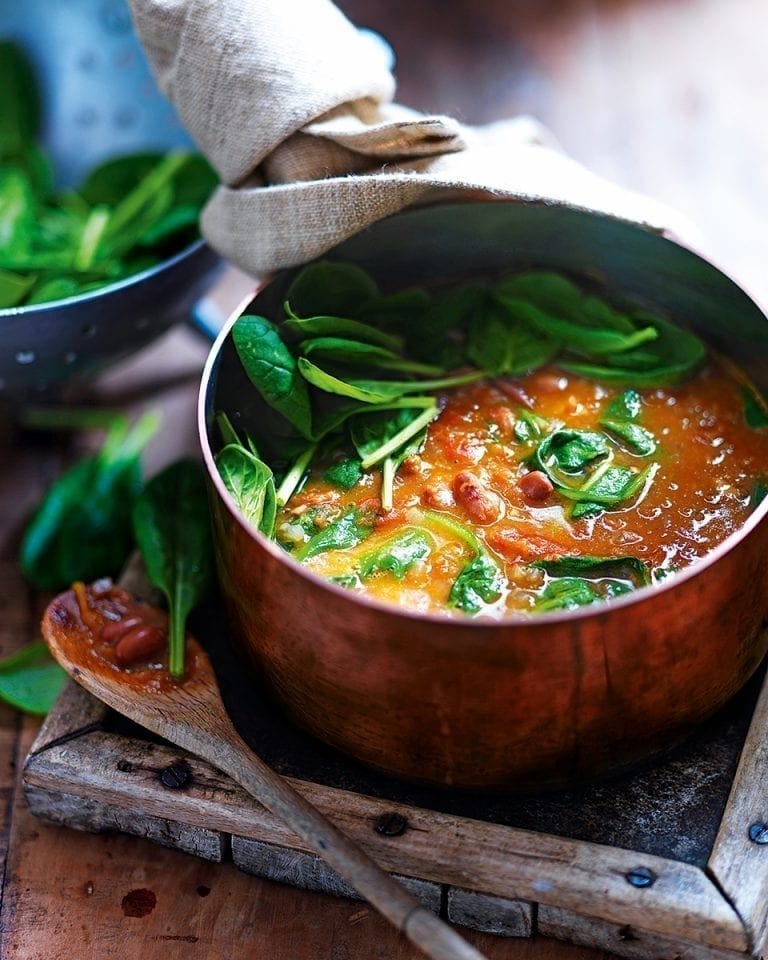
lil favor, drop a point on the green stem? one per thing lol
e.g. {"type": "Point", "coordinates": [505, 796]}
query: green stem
{"type": "Point", "coordinates": [445, 524]}
{"type": "Point", "coordinates": [387, 483]}
{"type": "Point", "coordinates": [295, 475]}
{"type": "Point", "coordinates": [400, 438]}
{"type": "Point", "coordinates": [92, 233]}
{"type": "Point", "coordinates": [176, 639]}
{"type": "Point", "coordinates": [145, 189]}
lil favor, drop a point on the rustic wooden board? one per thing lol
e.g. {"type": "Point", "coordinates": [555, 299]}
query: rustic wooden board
{"type": "Point", "coordinates": [95, 771]}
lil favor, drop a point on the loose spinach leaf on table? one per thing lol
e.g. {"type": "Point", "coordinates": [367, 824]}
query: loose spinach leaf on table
{"type": "Point", "coordinates": [82, 528]}
{"type": "Point", "coordinates": [349, 530]}
{"type": "Point", "coordinates": [397, 554]}
{"type": "Point", "coordinates": [30, 680]}
{"type": "Point", "coordinates": [172, 529]}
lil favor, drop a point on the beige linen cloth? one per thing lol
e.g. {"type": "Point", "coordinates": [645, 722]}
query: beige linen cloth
{"type": "Point", "coordinates": [293, 107]}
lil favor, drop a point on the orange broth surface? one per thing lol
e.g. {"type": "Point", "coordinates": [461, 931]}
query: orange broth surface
{"type": "Point", "coordinates": [708, 460]}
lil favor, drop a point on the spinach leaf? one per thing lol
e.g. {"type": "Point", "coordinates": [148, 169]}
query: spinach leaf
{"type": "Point", "coordinates": [498, 345]}
{"type": "Point", "coordinates": [389, 438]}
{"type": "Point", "coordinates": [634, 437]}
{"type": "Point", "coordinates": [252, 485]}
{"type": "Point", "coordinates": [331, 289]}
{"type": "Point", "coordinates": [17, 215]}
{"type": "Point", "coordinates": [344, 474]}
{"type": "Point", "coordinates": [619, 419]}
{"type": "Point", "coordinates": [755, 408]}
{"type": "Point", "coordinates": [172, 529]}
{"type": "Point", "coordinates": [566, 594]}
{"type": "Point", "coordinates": [627, 568]}
{"type": "Point", "coordinates": [318, 326]}
{"type": "Point", "coordinates": [528, 426]}
{"type": "Point", "coordinates": [109, 182]}
{"type": "Point", "coordinates": [380, 434]}
{"type": "Point", "coordinates": [347, 580]}
{"type": "Point", "coordinates": [592, 341]}
{"type": "Point", "coordinates": [349, 530]}
{"type": "Point", "coordinates": [295, 476]}
{"type": "Point", "coordinates": [30, 680]}
{"type": "Point", "coordinates": [273, 370]}
{"type": "Point", "coordinates": [569, 452]}
{"type": "Point", "coordinates": [556, 296]}
{"type": "Point", "coordinates": [611, 487]}
{"type": "Point", "coordinates": [397, 554]}
{"type": "Point", "coordinates": [759, 492]}
{"type": "Point", "coordinates": [400, 310]}
{"type": "Point", "coordinates": [14, 287]}
{"type": "Point", "coordinates": [480, 582]}
{"type": "Point", "coordinates": [20, 116]}
{"type": "Point", "coordinates": [356, 353]}
{"type": "Point", "coordinates": [57, 288]}
{"type": "Point", "coordinates": [624, 406]}
{"type": "Point", "coordinates": [569, 593]}
{"type": "Point", "coordinates": [82, 528]}
{"type": "Point", "coordinates": [673, 356]}
{"type": "Point", "coordinates": [343, 388]}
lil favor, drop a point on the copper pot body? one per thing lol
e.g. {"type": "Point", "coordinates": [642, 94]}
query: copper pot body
{"type": "Point", "coordinates": [505, 705]}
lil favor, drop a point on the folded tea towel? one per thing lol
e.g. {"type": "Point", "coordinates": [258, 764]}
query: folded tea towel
{"type": "Point", "coordinates": [293, 107]}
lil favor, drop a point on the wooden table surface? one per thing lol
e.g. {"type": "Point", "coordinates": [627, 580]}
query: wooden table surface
{"type": "Point", "coordinates": [666, 96]}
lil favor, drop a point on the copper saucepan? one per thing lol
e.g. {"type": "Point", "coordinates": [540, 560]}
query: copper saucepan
{"type": "Point", "coordinates": [525, 702]}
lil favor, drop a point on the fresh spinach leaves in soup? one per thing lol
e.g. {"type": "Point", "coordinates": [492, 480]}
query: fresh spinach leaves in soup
{"type": "Point", "coordinates": [540, 405]}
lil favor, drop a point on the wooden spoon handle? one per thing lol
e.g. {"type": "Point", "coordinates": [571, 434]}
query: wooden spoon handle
{"type": "Point", "coordinates": [434, 937]}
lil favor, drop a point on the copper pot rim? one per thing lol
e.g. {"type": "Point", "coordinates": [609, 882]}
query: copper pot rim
{"type": "Point", "coordinates": [636, 597]}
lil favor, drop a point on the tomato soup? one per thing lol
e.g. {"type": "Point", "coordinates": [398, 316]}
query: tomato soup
{"type": "Point", "coordinates": [536, 493]}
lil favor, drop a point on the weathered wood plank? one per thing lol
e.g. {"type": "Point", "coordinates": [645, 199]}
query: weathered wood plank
{"type": "Point", "coordinates": [505, 862]}
{"type": "Point", "coordinates": [309, 872]}
{"type": "Point", "coordinates": [75, 711]}
{"type": "Point", "coordinates": [92, 816]}
{"type": "Point", "coordinates": [481, 911]}
{"type": "Point", "coordinates": [739, 859]}
{"type": "Point", "coordinates": [627, 940]}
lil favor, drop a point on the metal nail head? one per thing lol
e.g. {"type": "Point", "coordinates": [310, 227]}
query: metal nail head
{"type": "Point", "coordinates": [758, 832]}
{"type": "Point", "coordinates": [641, 877]}
{"type": "Point", "coordinates": [391, 824]}
{"type": "Point", "coordinates": [177, 776]}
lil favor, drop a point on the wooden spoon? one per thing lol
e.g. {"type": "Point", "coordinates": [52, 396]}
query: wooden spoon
{"type": "Point", "coordinates": [191, 714]}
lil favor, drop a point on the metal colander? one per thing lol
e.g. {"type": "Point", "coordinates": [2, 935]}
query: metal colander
{"type": "Point", "coordinates": [99, 100]}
